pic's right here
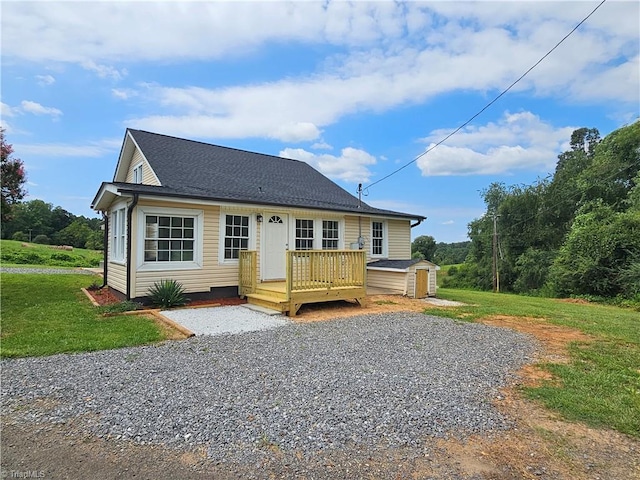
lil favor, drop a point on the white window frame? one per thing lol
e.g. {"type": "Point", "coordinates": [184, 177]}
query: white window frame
{"type": "Point", "coordinates": [117, 252]}
{"type": "Point", "coordinates": [314, 229]}
{"type": "Point", "coordinates": [385, 240]}
{"type": "Point", "coordinates": [137, 173]}
{"type": "Point", "coordinates": [338, 240]}
{"type": "Point", "coordinates": [198, 241]}
{"type": "Point", "coordinates": [222, 234]}
{"type": "Point", "coordinates": [318, 230]}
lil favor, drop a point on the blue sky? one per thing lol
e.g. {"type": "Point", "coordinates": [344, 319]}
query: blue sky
{"type": "Point", "coordinates": [357, 89]}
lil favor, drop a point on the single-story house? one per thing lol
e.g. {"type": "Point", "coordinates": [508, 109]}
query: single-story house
{"type": "Point", "coordinates": [227, 222]}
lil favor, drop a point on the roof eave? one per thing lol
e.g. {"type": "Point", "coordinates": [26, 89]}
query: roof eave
{"type": "Point", "coordinates": [131, 188]}
{"type": "Point", "coordinates": [107, 193]}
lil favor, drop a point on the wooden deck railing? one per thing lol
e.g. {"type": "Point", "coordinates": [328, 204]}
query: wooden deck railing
{"type": "Point", "coordinates": [247, 272]}
{"type": "Point", "coordinates": [325, 269]}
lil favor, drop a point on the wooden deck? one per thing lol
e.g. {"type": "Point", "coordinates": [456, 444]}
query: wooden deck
{"type": "Point", "coordinates": [312, 276]}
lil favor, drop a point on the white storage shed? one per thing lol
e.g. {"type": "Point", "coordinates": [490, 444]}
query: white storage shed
{"type": "Point", "coordinates": [414, 278]}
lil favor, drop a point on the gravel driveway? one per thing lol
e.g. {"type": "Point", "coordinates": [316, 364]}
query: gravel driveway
{"type": "Point", "coordinates": [376, 381]}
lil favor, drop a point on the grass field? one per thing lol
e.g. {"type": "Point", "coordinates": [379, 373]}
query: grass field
{"type": "Point", "coordinates": [47, 314]}
{"type": "Point", "coordinates": [444, 273]}
{"type": "Point", "coordinates": [13, 253]}
{"type": "Point", "coordinates": [601, 384]}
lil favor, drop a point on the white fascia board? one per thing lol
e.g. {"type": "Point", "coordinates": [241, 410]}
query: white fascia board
{"type": "Point", "coordinates": [106, 196]}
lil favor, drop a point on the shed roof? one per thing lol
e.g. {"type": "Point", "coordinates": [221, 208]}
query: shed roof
{"type": "Point", "coordinates": [397, 264]}
{"type": "Point", "coordinates": [193, 169]}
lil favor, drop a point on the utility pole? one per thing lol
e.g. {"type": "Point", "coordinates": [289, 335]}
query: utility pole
{"type": "Point", "coordinates": [494, 269]}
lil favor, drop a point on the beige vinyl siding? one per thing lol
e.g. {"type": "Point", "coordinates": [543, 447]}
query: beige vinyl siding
{"type": "Point", "coordinates": [212, 273]}
{"type": "Point", "coordinates": [148, 177]}
{"type": "Point", "coordinates": [351, 230]}
{"type": "Point", "coordinates": [117, 277]}
{"type": "Point", "coordinates": [399, 239]}
{"type": "Point", "coordinates": [391, 282]}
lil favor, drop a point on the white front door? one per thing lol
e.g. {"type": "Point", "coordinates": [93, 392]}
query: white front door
{"type": "Point", "coordinates": [274, 247]}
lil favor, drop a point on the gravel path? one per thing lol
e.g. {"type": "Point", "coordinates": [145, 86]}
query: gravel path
{"type": "Point", "coordinates": [220, 320]}
{"type": "Point", "coordinates": [377, 381]}
{"type": "Point", "coordinates": [46, 271]}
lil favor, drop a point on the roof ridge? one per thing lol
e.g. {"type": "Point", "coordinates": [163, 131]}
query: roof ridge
{"type": "Point", "coordinates": [215, 145]}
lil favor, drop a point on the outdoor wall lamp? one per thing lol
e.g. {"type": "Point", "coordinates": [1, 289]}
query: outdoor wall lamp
{"type": "Point", "coordinates": [259, 218]}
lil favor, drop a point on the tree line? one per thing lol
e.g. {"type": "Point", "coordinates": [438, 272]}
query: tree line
{"type": "Point", "coordinates": [40, 222]}
{"type": "Point", "coordinates": [37, 221]}
{"type": "Point", "coordinates": [575, 233]}
{"type": "Point", "coordinates": [426, 248]}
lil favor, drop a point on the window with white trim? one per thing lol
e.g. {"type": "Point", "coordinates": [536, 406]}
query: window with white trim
{"type": "Point", "coordinates": [118, 234]}
{"type": "Point", "coordinates": [304, 234]}
{"type": "Point", "coordinates": [330, 234]}
{"type": "Point", "coordinates": [137, 174]}
{"type": "Point", "coordinates": [377, 238]}
{"type": "Point", "coordinates": [169, 238]}
{"type": "Point", "coordinates": [236, 235]}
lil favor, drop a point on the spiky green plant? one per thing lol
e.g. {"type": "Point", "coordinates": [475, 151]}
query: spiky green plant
{"type": "Point", "coordinates": [167, 294]}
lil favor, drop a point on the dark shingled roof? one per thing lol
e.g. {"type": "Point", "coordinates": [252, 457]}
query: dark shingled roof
{"type": "Point", "coordinates": [188, 168]}
{"type": "Point", "coordinates": [397, 264]}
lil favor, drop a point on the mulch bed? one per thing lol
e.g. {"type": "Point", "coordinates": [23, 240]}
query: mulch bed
{"type": "Point", "coordinates": [104, 296]}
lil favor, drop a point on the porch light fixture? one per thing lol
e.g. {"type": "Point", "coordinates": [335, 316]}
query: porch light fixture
{"type": "Point", "coordinates": [259, 218]}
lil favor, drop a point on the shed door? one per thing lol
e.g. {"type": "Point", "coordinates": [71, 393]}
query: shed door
{"type": "Point", "coordinates": [421, 282]}
{"type": "Point", "coordinates": [274, 247]}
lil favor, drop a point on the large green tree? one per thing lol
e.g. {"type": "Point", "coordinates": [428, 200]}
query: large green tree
{"type": "Point", "coordinates": [13, 178]}
{"type": "Point", "coordinates": [424, 246]}
{"type": "Point", "coordinates": [575, 233]}
{"type": "Point", "coordinates": [601, 254]}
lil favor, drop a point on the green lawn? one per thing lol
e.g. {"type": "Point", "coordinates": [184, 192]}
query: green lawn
{"type": "Point", "coordinates": [47, 314]}
{"type": "Point", "coordinates": [14, 253]}
{"type": "Point", "coordinates": [601, 384]}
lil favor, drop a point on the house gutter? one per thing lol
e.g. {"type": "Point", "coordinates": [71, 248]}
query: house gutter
{"type": "Point", "coordinates": [105, 254]}
{"type": "Point", "coordinates": [129, 217]}
{"type": "Point", "coordinates": [418, 222]}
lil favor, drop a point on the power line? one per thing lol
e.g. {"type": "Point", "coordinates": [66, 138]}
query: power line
{"type": "Point", "coordinates": [491, 102]}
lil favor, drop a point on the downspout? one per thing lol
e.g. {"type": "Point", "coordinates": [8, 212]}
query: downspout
{"type": "Point", "coordinates": [105, 254]}
{"type": "Point", "coordinates": [129, 216]}
{"type": "Point", "coordinates": [417, 223]}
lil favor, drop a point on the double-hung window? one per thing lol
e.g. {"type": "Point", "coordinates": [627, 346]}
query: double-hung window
{"type": "Point", "coordinates": [377, 239]}
{"type": "Point", "coordinates": [304, 234]}
{"type": "Point", "coordinates": [169, 238]}
{"type": "Point", "coordinates": [330, 234]}
{"type": "Point", "coordinates": [118, 234]}
{"type": "Point", "coordinates": [236, 235]}
{"type": "Point", "coordinates": [137, 174]}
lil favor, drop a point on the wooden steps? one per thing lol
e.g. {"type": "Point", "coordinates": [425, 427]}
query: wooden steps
{"type": "Point", "coordinates": [268, 301]}
{"type": "Point", "coordinates": [272, 295]}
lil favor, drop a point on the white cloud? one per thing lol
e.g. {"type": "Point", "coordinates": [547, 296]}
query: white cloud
{"type": "Point", "coordinates": [321, 145]}
{"type": "Point", "coordinates": [394, 52]}
{"type": "Point", "coordinates": [447, 222]}
{"type": "Point", "coordinates": [6, 110]}
{"type": "Point", "coordinates": [456, 56]}
{"type": "Point", "coordinates": [351, 166]}
{"type": "Point", "coordinates": [519, 141]}
{"type": "Point", "coordinates": [27, 106]}
{"type": "Point", "coordinates": [123, 93]}
{"type": "Point", "coordinates": [296, 132]}
{"type": "Point", "coordinates": [44, 80]}
{"type": "Point", "coordinates": [104, 71]}
{"type": "Point", "coordinates": [91, 149]}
